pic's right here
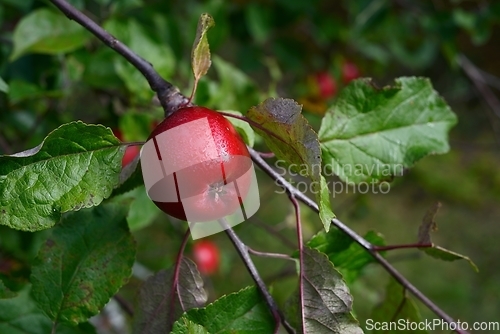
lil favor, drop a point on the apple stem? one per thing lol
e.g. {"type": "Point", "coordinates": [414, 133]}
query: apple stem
{"type": "Point", "coordinates": [193, 91]}
{"type": "Point", "coordinates": [243, 252]}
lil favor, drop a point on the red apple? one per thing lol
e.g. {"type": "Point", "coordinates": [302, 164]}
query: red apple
{"type": "Point", "coordinates": [326, 84]}
{"type": "Point", "coordinates": [203, 158]}
{"type": "Point", "coordinates": [349, 72]}
{"type": "Point", "coordinates": [206, 256]}
{"type": "Point", "coordinates": [131, 151]}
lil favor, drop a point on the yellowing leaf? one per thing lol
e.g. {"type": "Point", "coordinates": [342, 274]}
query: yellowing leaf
{"type": "Point", "coordinates": [200, 54]}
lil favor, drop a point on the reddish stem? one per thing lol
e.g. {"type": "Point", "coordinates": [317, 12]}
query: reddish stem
{"type": "Point", "coordinates": [175, 281]}
{"type": "Point", "coordinates": [267, 155]}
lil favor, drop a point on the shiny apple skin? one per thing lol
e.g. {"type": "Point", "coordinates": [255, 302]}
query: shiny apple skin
{"type": "Point", "coordinates": [206, 181]}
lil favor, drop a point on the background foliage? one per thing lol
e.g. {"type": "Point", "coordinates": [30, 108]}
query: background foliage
{"type": "Point", "coordinates": [273, 48]}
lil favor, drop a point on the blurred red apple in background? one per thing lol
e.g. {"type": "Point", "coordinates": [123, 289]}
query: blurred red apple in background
{"type": "Point", "coordinates": [130, 153]}
{"type": "Point", "coordinates": [349, 72]}
{"type": "Point", "coordinates": [206, 256]}
{"type": "Point", "coordinates": [326, 85]}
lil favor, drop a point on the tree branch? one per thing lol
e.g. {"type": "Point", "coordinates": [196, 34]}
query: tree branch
{"type": "Point", "coordinates": [243, 251]}
{"type": "Point", "coordinates": [357, 238]}
{"type": "Point", "coordinates": [170, 97]}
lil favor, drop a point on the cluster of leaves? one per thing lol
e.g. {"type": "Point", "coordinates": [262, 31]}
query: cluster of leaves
{"type": "Point", "coordinates": [71, 182]}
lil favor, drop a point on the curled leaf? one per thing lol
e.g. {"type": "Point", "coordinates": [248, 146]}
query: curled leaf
{"type": "Point", "coordinates": [288, 134]}
{"type": "Point", "coordinates": [424, 237]}
{"type": "Point", "coordinates": [200, 53]}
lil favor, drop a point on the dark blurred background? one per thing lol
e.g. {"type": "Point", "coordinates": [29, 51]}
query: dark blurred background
{"type": "Point", "coordinates": [308, 51]}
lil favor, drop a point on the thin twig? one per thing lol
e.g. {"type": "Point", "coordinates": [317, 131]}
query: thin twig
{"type": "Point", "coordinates": [272, 230]}
{"type": "Point", "coordinates": [170, 97]}
{"type": "Point", "coordinates": [484, 90]}
{"type": "Point", "coordinates": [490, 79]}
{"type": "Point", "coordinates": [271, 255]}
{"type": "Point", "coordinates": [4, 145]}
{"type": "Point", "coordinates": [174, 291]}
{"type": "Point", "coordinates": [300, 243]}
{"type": "Point", "coordinates": [124, 304]}
{"type": "Point", "coordinates": [243, 251]}
{"type": "Point", "coordinates": [400, 306]}
{"type": "Point", "coordinates": [357, 238]}
{"type": "Point", "coordinates": [481, 84]}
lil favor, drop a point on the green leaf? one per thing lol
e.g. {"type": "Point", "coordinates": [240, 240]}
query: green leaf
{"type": "Point", "coordinates": [424, 237]}
{"type": "Point", "coordinates": [241, 312]}
{"type": "Point", "coordinates": [259, 20]}
{"type": "Point", "coordinates": [21, 315]}
{"type": "Point", "coordinates": [159, 55]}
{"type": "Point", "coordinates": [295, 143]}
{"type": "Point", "coordinates": [135, 126]}
{"type": "Point", "coordinates": [156, 313]}
{"type": "Point", "coordinates": [243, 128]}
{"type": "Point", "coordinates": [346, 255]}
{"type": "Point", "coordinates": [185, 326]}
{"type": "Point", "coordinates": [3, 86]}
{"type": "Point", "coordinates": [75, 167]}
{"type": "Point", "coordinates": [142, 209]}
{"type": "Point", "coordinates": [22, 90]}
{"type": "Point", "coordinates": [97, 71]}
{"type": "Point", "coordinates": [234, 89]}
{"type": "Point", "coordinates": [322, 195]}
{"type": "Point", "coordinates": [88, 257]}
{"type": "Point", "coordinates": [441, 253]}
{"type": "Point", "coordinates": [6, 293]}
{"type": "Point", "coordinates": [374, 134]}
{"type": "Point", "coordinates": [200, 53]}
{"type": "Point", "coordinates": [327, 300]}
{"type": "Point", "coordinates": [44, 31]}
{"type": "Point", "coordinates": [396, 306]}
